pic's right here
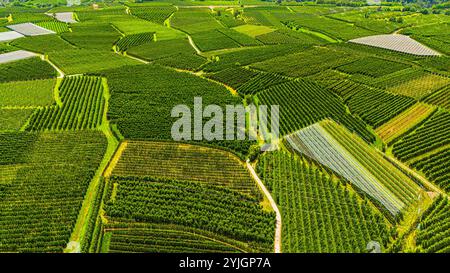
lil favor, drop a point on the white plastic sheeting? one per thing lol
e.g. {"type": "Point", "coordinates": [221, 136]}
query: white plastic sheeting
{"type": "Point", "coordinates": [16, 55]}
{"type": "Point", "coordinates": [30, 29]}
{"type": "Point", "coordinates": [396, 42]}
{"type": "Point", "coordinates": [9, 35]}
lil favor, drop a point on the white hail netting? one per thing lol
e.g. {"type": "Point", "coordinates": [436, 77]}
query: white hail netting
{"type": "Point", "coordinates": [9, 35]}
{"type": "Point", "coordinates": [16, 55]}
{"type": "Point", "coordinates": [29, 29]}
{"type": "Point", "coordinates": [66, 17]}
{"type": "Point", "coordinates": [316, 143]}
{"type": "Point", "coordinates": [396, 42]}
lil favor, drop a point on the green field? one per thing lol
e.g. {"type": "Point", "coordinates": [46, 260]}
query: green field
{"type": "Point", "coordinates": [150, 126]}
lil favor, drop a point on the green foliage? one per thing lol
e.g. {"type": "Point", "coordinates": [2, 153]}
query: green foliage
{"type": "Point", "coordinates": [134, 40]}
{"type": "Point", "coordinates": [153, 14]}
{"type": "Point", "coordinates": [171, 160]}
{"type": "Point", "coordinates": [142, 98]}
{"type": "Point", "coordinates": [27, 93]}
{"type": "Point", "coordinates": [323, 215]}
{"type": "Point", "coordinates": [82, 106]}
{"type": "Point", "coordinates": [161, 49]}
{"type": "Point", "coordinates": [49, 174]}
{"type": "Point", "coordinates": [433, 233]}
{"type": "Point", "coordinates": [242, 39]}
{"type": "Point", "coordinates": [182, 61]}
{"type": "Point", "coordinates": [373, 105]}
{"type": "Point", "coordinates": [276, 37]}
{"type": "Point", "coordinates": [196, 206]}
{"type": "Point", "coordinates": [436, 167]}
{"type": "Point", "coordinates": [305, 63]}
{"type": "Point", "coordinates": [213, 40]}
{"type": "Point", "coordinates": [334, 28]}
{"type": "Point", "coordinates": [79, 61]}
{"type": "Point", "coordinates": [304, 102]}
{"type": "Point", "coordinates": [13, 119]}
{"type": "Point", "coordinates": [27, 69]}
{"type": "Point", "coordinates": [372, 66]}
{"type": "Point", "coordinates": [248, 56]}
{"type": "Point", "coordinates": [440, 98]}
{"type": "Point", "coordinates": [56, 26]}
{"type": "Point", "coordinates": [432, 134]}
{"type": "Point", "coordinates": [43, 43]}
{"type": "Point", "coordinates": [194, 20]}
{"type": "Point", "coordinates": [92, 35]}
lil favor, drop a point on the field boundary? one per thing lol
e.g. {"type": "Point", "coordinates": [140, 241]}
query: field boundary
{"type": "Point", "coordinates": [277, 241]}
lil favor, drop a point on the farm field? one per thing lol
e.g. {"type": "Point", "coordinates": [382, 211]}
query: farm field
{"type": "Point", "coordinates": [46, 176]}
{"type": "Point", "coordinates": [316, 204]}
{"type": "Point", "coordinates": [338, 150]}
{"type": "Point", "coordinates": [27, 93]}
{"type": "Point", "coordinates": [250, 126]}
{"type": "Point", "coordinates": [172, 161]}
{"type": "Point", "coordinates": [397, 126]}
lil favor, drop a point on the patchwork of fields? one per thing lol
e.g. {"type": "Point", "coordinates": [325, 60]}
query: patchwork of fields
{"type": "Point", "coordinates": [89, 96]}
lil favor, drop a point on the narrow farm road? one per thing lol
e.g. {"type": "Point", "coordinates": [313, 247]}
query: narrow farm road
{"type": "Point", "coordinates": [277, 242]}
{"type": "Point", "coordinates": [193, 45]}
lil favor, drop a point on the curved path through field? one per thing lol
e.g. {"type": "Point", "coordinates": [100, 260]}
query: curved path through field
{"type": "Point", "coordinates": [277, 241]}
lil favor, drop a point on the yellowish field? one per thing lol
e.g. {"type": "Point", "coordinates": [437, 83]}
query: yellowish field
{"type": "Point", "coordinates": [406, 120]}
{"type": "Point", "coordinates": [421, 86]}
{"type": "Point", "coordinates": [253, 30]}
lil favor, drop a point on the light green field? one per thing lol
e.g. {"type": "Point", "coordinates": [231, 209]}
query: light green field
{"type": "Point", "coordinates": [13, 119]}
{"type": "Point", "coordinates": [132, 25]}
{"type": "Point", "coordinates": [27, 93]}
{"type": "Point", "coordinates": [253, 30]}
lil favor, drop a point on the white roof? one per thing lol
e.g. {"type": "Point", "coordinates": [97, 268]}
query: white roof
{"type": "Point", "coordinates": [30, 29]}
{"type": "Point", "coordinates": [16, 55]}
{"type": "Point", "coordinates": [396, 42]}
{"type": "Point", "coordinates": [9, 35]}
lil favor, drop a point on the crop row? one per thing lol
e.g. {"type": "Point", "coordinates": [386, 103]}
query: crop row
{"type": "Point", "coordinates": [372, 66]}
{"type": "Point", "coordinates": [153, 14]}
{"type": "Point", "coordinates": [392, 178]}
{"type": "Point", "coordinates": [320, 146]}
{"type": "Point", "coordinates": [319, 215]}
{"type": "Point", "coordinates": [431, 135]}
{"type": "Point", "coordinates": [174, 161]}
{"type": "Point", "coordinates": [193, 205]}
{"type": "Point", "coordinates": [440, 97]}
{"type": "Point", "coordinates": [134, 40]}
{"type": "Point", "coordinates": [82, 106]}
{"type": "Point", "coordinates": [27, 69]}
{"type": "Point", "coordinates": [304, 102]}
{"type": "Point", "coordinates": [436, 168]}
{"type": "Point", "coordinates": [434, 230]}
{"type": "Point", "coordinates": [50, 175]}
{"type": "Point", "coordinates": [56, 26]}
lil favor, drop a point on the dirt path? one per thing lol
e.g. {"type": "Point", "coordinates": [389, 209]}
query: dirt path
{"type": "Point", "coordinates": [60, 72]}
{"type": "Point", "coordinates": [191, 42]}
{"type": "Point", "coordinates": [277, 242]}
{"type": "Point", "coordinates": [86, 211]}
